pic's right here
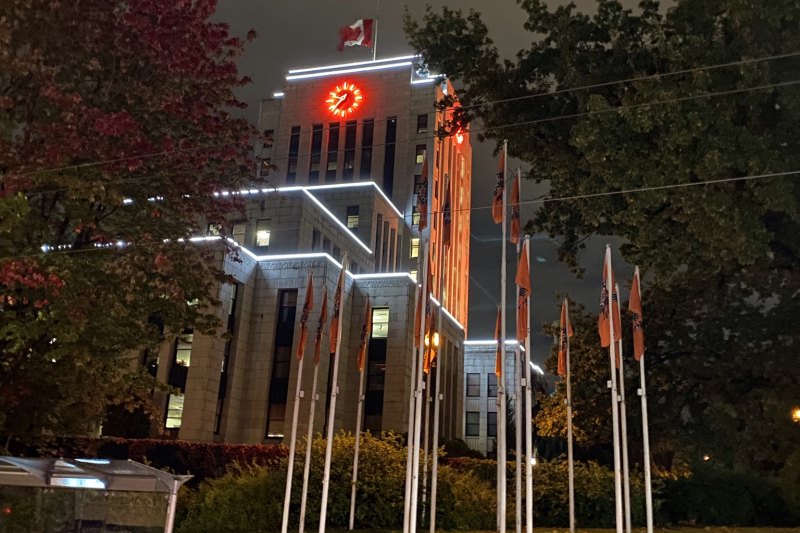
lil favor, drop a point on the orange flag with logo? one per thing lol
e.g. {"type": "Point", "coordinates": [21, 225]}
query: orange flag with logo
{"type": "Point", "coordinates": [307, 307]}
{"type": "Point", "coordinates": [635, 307]}
{"type": "Point", "coordinates": [603, 319]}
{"type": "Point", "coordinates": [515, 210]}
{"type": "Point", "coordinates": [338, 296]}
{"type": "Point", "coordinates": [430, 349]}
{"type": "Point", "coordinates": [524, 283]}
{"type": "Point", "coordinates": [323, 317]}
{"type": "Point", "coordinates": [366, 329]}
{"type": "Point", "coordinates": [498, 361]}
{"type": "Point", "coordinates": [500, 186]}
{"type": "Point", "coordinates": [422, 195]}
{"type": "Point", "coordinates": [447, 215]}
{"type": "Point", "coordinates": [566, 333]}
{"type": "Point", "coordinates": [428, 307]}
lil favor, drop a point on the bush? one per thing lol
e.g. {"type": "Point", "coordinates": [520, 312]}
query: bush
{"type": "Point", "coordinates": [459, 448]}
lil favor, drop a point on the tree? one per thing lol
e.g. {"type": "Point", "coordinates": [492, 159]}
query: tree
{"type": "Point", "coordinates": [721, 259]}
{"type": "Point", "coordinates": [115, 133]}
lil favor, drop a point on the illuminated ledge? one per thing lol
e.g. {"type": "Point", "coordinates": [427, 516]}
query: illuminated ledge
{"type": "Point", "coordinates": [493, 342]}
{"type": "Point", "coordinates": [351, 65]}
{"type": "Point", "coordinates": [348, 71]}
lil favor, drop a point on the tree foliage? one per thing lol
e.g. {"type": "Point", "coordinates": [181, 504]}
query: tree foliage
{"type": "Point", "coordinates": [115, 128]}
{"type": "Point", "coordinates": [721, 260]}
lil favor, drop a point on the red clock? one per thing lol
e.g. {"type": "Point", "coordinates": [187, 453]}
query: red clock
{"type": "Point", "coordinates": [344, 99]}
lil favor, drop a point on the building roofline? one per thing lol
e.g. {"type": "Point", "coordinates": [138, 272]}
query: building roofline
{"type": "Point", "coordinates": [356, 64]}
{"type": "Point", "coordinates": [353, 70]}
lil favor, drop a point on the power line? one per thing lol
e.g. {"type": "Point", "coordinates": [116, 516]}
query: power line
{"type": "Point", "coordinates": [493, 102]}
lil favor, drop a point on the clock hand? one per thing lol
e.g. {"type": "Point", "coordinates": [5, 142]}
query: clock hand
{"type": "Point", "coordinates": [341, 101]}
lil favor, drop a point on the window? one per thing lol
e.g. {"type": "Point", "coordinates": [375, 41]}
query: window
{"type": "Point", "coordinates": [269, 138]}
{"type": "Point", "coordinates": [239, 229]}
{"type": "Point", "coordinates": [388, 160]}
{"type": "Point", "coordinates": [225, 371]}
{"type": "Point", "coordinates": [473, 424]}
{"type": "Point", "coordinates": [174, 411]}
{"type": "Point", "coordinates": [420, 153]}
{"type": "Point", "coordinates": [491, 424]}
{"type": "Point", "coordinates": [392, 246]}
{"type": "Point", "coordinates": [213, 229]}
{"type": "Point", "coordinates": [417, 183]}
{"type": "Point", "coordinates": [265, 164]}
{"type": "Point", "coordinates": [337, 253]}
{"type": "Point", "coordinates": [413, 274]}
{"type": "Point", "coordinates": [380, 323]}
{"type": "Point", "coordinates": [262, 233]}
{"type": "Point", "coordinates": [183, 350]}
{"type": "Point", "coordinates": [376, 370]}
{"type": "Point", "coordinates": [378, 235]}
{"type": "Point", "coordinates": [181, 358]}
{"type": "Point", "coordinates": [294, 148]}
{"type": "Point", "coordinates": [473, 385]}
{"type": "Point", "coordinates": [414, 247]}
{"type": "Point", "coordinates": [492, 388]}
{"type": "Point", "coordinates": [352, 218]}
{"type": "Point", "coordinates": [316, 153]}
{"type": "Point", "coordinates": [366, 148]}
{"type": "Point", "coordinates": [281, 364]}
{"type": "Point", "coordinates": [315, 239]}
{"type": "Point", "coordinates": [415, 215]}
{"type": "Point", "coordinates": [349, 149]}
{"type": "Point", "coordinates": [437, 158]}
{"type": "Point", "coordinates": [333, 151]}
{"type": "Point", "coordinates": [326, 245]}
{"type": "Point", "coordinates": [422, 123]}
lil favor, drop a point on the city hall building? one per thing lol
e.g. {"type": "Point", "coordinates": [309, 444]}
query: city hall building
{"type": "Point", "coordinates": [342, 150]}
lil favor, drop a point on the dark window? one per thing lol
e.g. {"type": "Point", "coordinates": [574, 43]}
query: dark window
{"type": "Point", "coordinates": [269, 138]}
{"type": "Point", "coordinates": [376, 370]}
{"type": "Point", "coordinates": [392, 247]}
{"type": "Point", "coordinates": [388, 161]}
{"type": "Point", "coordinates": [366, 148]}
{"type": "Point", "coordinates": [294, 148]}
{"type": "Point", "coordinates": [492, 388]}
{"type": "Point", "coordinates": [316, 153]}
{"type": "Point", "coordinates": [437, 158]}
{"type": "Point", "coordinates": [337, 252]}
{"type": "Point", "coordinates": [473, 424]}
{"type": "Point", "coordinates": [226, 358]}
{"type": "Point", "coordinates": [352, 218]}
{"type": "Point", "coordinates": [281, 364]}
{"type": "Point", "coordinates": [417, 184]}
{"type": "Point", "coordinates": [420, 154]}
{"type": "Point", "coordinates": [349, 150]}
{"type": "Point", "coordinates": [326, 245]}
{"type": "Point", "coordinates": [315, 239]}
{"type": "Point", "coordinates": [473, 385]}
{"type": "Point", "coordinates": [385, 251]}
{"type": "Point", "coordinates": [378, 236]}
{"type": "Point", "coordinates": [333, 152]}
{"type": "Point", "coordinates": [491, 424]}
{"type": "Point", "coordinates": [422, 123]}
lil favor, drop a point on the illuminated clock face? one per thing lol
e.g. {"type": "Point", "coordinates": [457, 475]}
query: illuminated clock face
{"type": "Point", "coordinates": [344, 99]}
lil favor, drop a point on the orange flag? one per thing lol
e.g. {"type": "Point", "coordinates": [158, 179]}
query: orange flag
{"type": "Point", "coordinates": [430, 349]}
{"type": "Point", "coordinates": [603, 319]}
{"type": "Point", "coordinates": [323, 317]}
{"type": "Point", "coordinates": [447, 216]}
{"type": "Point", "coordinates": [497, 201]}
{"type": "Point", "coordinates": [524, 283]}
{"type": "Point", "coordinates": [635, 307]}
{"type": "Point", "coordinates": [428, 308]}
{"type": "Point", "coordinates": [307, 307]}
{"type": "Point", "coordinates": [337, 306]}
{"type": "Point", "coordinates": [366, 329]}
{"type": "Point", "coordinates": [566, 333]}
{"type": "Point", "coordinates": [498, 361]}
{"type": "Point", "coordinates": [422, 195]}
{"type": "Point", "coordinates": [515, 210]}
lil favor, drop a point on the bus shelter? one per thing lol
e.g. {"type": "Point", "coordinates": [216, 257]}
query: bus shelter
{"type": "Point", "coordinates": [94, 475]}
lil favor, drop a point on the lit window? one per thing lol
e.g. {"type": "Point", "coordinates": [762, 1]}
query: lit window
{"type": "Point", "coordinates": [420, 155]}
{"type": "Point", "coordinates": [213, 229]}
{"type": "Point", "coordinates": [414, 247]}
{"type": "Point", "coordinates": [183, 352]}
{"type": "Point", "coordinates": [174, 411]}
{"type": "Point", "coordinates": [380, 323]}
{"type": "Point", "coordinates": [413, 274]}
{"type": "Point", "coordinates": [239, 230]}
{"type": "Point", "coordinates": [262, 233]}
{"type": "Point", "coordinates": [415, 216]}
{"type": "Point", "coordinates": [352, 217]}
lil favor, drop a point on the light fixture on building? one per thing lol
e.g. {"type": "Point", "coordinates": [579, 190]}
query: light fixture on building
{"type": "Point", "coordinates": [796, 414]}
{"type": "Point", "coordinates": [706, 458]}
{"type": "Point", "coordinates": [344, 99]}
{"type": "Point", "coordinates": [435, 340]}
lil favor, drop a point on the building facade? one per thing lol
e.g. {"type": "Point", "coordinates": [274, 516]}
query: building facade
{"type": "Point", "coordinates": [341, 180]}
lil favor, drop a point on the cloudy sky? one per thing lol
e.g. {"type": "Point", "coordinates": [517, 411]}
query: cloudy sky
{"type": "Point", "coordinates": [303, 33]}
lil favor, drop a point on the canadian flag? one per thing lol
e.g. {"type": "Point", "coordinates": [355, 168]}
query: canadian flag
{"type": "Point", "coordinates": [359, 34]}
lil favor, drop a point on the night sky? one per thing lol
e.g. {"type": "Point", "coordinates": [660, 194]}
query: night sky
{"type": "Point", "coordinates": [304, 33]}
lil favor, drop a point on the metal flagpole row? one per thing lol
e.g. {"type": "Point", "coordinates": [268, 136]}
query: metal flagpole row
{"type": "Point", "coordinates": [613, 388]}
{"type": "Point", "coordinates": [501, 390]}
{"type": "Point", "coordinates": [518, 399]}
{"type": "Point", "coordinates": [359, 412]}
{"type": "Point", "coordinates": [624, 426]}
{"type": "Point", "coordinates": [425, 450]}
{"type": "Point", "coordinates": [648, 490]}
{"type": "Point", "coordinates": [528, 413]}
{"type": "Point", "coordinates": [307, 468]}
{"type": "Point", "coordinates": [411, 405]}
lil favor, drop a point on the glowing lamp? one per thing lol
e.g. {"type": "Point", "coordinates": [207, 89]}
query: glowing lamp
{"type": "Point", "coordinates": [706, 458]}
{"type": "Point", "coordinates": [435, 339]}
{"type": "Point", "coordinates": [796, 415]}
{"type": "Point", "coordinates": [344, 99]}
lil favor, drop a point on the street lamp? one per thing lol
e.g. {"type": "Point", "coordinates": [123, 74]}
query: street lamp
{"type": "Point", "coordinates": [435, 339]}
{"type": "Point", "coordinates": [796, 414]}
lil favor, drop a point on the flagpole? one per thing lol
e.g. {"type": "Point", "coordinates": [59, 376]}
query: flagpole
{"type": "Point", "coordinates": [425, 449]}
{"type": "Point", "coordinates": [411, 404]}
{"type": "Point", "coordinates": [334, 392]}
{"type": "Point", "coordinates": [518, 398]}
{"type": "Point", "coordinates": [648, 490]}
{"type": "Point", "coordinates": [307, 468]}
{"type": "Point", "coordinates": [375, 31]}
{"type": "Point", "coordinates": [298, 393]}
{"type": "Point", "coordinates": [359, 412]}
{"type": "Point", "coordinates": [418, 406]}
{"type": "Point", "coordinates": [614, 396]}
{"type": "Point", "coordinates": [528, 413]}
{"type": "Point", "coordinates": [570, 457]}
{"type": "Point", "coordinates": [439, 364]}
{"type": "Point", "coordinates": [501, 394]}
{"type": "Point", "coordinates": [624, 424]}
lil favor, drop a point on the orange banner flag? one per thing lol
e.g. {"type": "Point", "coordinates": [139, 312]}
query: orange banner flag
{"type": "Point", "coordinates": [366, 330]}
{"type": "Point", "coordinates": [422, 195]}
{"type": "Point", "coordinates": [430, 347]}
{"type": "Point", "coordinates": [338, 296]}
{"type": "Point", "coordinates": [323, 317]}
{"type": "Point", "coordinates": [308, 306]}
{"type": "Point", "coordinates": [428, 307]}
{"type": "Point", "coordinates": [515, 222]}
{"type": "Point", "coordinates": [523, 280]}
{"type": "Point", "coordinates": [497, 201]}
{"type": "Point", "coordinates": [635, 307]}
{"type": "Point", "coordinates": [603, 319]}
{"type": "Point", "coordinates": [566, 333]}
{"type": "Point", "coordinates": [498, 362]}
{"type": "Point", "coordinates": [447, 215]}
